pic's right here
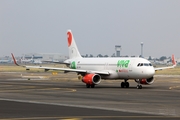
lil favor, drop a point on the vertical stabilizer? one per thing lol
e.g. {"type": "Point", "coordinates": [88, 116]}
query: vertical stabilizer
{"type": "Point", "coordinates": [73, 50]}
{"type": "Point", "coordinates": [173, 60]}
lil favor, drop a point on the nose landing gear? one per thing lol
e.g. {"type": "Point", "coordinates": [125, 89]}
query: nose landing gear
{"type": "Point", "coordinates": [139, 86]}
{"type": "Point", "coordinates": [125, 84]}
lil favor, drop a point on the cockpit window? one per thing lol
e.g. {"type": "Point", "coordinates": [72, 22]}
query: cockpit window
{"type": "Point", "coordinates": [144, 64]}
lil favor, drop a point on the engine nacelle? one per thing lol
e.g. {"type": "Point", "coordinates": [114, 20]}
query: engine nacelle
{"type": "Point", "coordinates": [91, 79]}
{"type": "Point", "coordinates": [145, 81]}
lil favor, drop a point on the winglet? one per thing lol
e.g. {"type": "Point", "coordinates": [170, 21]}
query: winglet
{"type": "Point", "coordinates": [14, 60]}
{"type": "Point", "coordinates": [173, 60]}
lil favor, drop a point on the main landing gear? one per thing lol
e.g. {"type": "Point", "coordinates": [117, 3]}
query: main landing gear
{"type": "Point", "coordinates": [90, 86]}
{"type": "Point", "coordinates": [125, 84]}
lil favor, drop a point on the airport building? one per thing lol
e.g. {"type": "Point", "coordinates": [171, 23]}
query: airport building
{"type": "Point", "coordinates": [45, 56]}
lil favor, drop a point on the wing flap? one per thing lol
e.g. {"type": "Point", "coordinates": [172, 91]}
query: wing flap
{"type": "Point", "coordinates": [69, 70]}
{"type": "Point", "coordinates": [56, 62]}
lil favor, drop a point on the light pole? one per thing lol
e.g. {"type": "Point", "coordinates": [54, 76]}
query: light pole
{"type": "Point", "coordinates": [141, 49]}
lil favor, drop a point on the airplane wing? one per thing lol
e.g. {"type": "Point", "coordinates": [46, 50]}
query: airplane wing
{"type": "Point", "coordinates": [57, 62]}
{"type": "Point", "coordinates": [68, 70]}
{"type": "Point", "coordinates": [169, 67]}
{"type": "Point", "coordinates": [61, 69]}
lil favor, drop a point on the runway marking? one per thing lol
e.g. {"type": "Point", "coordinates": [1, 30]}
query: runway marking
{"type": "Point", "coordinates": [92, 117]}
{"type": "Point", "coordinates": [31, 88]}
{"type": "Point", "coordinates": [71, 119]}
{"type": "Point", "coordinates": [26, 79]}
{"type": "Point", "coordinates": [167, 76]}
{"type": "Point", "coordinates": [173, 87]}
{"type": "Point", "coordinates": [44, 118]}
{"type": "Point", "coordinates": [34, 76]}
{"type": "Point", "coordinates": [85, 106]}
{"type": "Point", "coordinates": [172, 80]}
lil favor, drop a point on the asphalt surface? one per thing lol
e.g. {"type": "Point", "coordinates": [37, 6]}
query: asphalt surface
{"type": "Point", "coordinates": [63, 97]}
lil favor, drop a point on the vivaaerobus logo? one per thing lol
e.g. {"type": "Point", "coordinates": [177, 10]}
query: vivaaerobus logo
{"type": "Point", "coordinates": [73, 65]}
{"type": "Point", "coordinates": [123, 63]}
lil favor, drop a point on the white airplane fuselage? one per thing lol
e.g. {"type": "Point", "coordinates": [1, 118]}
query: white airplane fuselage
{"type": "Point", "coordinates": [118, 68]}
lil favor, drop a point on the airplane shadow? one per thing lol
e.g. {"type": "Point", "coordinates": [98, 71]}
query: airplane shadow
{"type": "Point", "coordinates": [113, 87]}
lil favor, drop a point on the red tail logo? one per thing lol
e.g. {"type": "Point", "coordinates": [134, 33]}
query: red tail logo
{"type": "Point", "coordinates": [69, 37]}
{"type": "Point", "coordinates": [14, 60]}
{"type": "Point", "coordinates": [173, 60]}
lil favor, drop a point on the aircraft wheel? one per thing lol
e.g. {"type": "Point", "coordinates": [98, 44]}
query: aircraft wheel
{"type": "Point", "coordinates": [87, 85]}
{"type": "Point", "coordinates": [127, 84]}
{"type": "Point", "coordinates": [122, 84]}
{"type": "Point", "coordinates": [92, 86]}
{"type": "Point", "coordinates": [139, 86]}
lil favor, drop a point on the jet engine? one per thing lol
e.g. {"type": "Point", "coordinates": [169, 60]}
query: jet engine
{"type": "Point", "coordinates": [91, 79]}
{"type": "Point", "coordinates": [145, 81]}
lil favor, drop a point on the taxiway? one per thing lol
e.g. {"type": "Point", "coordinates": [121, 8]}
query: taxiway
{"type": "Point", "coordinates": [62, 96]}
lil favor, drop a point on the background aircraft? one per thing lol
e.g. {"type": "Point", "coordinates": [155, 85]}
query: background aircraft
{"type": "Point", "coordinates": [23, 60]}
{"type": "Point", "coordinates": [5, 61]}
{"type": "Point", "coordinates": [37, 61]}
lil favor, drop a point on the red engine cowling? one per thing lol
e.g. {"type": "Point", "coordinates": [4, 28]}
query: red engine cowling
{"type": "Point", "coordinates": [145, 81]}
{"type": "Point", "coordinates": [92, 79]}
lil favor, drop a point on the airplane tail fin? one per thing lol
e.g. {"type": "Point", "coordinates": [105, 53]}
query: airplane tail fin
{"type": "Point", "coordinates": [73, 50]}
{"type": "Point", "coordinates": [173, 60]}
{"type": "Point", "coordinates": [14, 59]}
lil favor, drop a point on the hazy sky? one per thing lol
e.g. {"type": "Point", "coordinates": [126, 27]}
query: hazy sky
{"type": "Point", "coordinates": [40, 26]}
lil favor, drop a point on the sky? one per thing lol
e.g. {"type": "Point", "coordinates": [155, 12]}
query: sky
{"type": "Point", "coordinates": [40, 26]}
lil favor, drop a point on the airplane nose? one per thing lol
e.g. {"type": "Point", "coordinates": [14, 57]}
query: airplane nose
{"type": "Point", "coordinates": [151, 72]}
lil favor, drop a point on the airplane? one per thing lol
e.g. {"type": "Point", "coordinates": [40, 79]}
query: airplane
{"type": "Point", "coordinates": [5, 61]}
{"type": "Point", "coordinates": [32, 60]}
{"type": "Point", "coordinates": [92, 70]}
{"type": "Point", "coordinates": [53, 61]}
{"type": "Point", "coordinates": [23, 60]}
{"type": "Point", "coordinates": [36, 61]}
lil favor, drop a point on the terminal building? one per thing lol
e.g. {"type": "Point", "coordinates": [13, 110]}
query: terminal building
{"type": "Point", "coordinates": [57, 57]}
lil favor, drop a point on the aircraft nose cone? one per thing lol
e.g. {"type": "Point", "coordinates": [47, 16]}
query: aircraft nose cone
{"type": "Point", "coordinates": [151, 72]}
